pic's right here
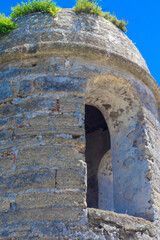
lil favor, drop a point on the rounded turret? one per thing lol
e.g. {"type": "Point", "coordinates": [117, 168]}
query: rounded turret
{"type": "Point", "coordinates": [79, 132]}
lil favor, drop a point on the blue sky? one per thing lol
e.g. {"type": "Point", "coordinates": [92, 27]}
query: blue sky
{"type": "Point", "coordinates": [143, 27]}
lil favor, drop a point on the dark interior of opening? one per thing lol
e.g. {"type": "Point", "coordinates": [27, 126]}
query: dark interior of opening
{"type": "Point", "coordinates": [97, 144]}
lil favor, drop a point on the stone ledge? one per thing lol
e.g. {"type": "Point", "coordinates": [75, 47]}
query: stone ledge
{"type": "Point", "coordinates": [124, 222]}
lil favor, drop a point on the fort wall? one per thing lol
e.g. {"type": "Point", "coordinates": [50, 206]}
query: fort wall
{"type": "Point", "coordinates": [50, 69]}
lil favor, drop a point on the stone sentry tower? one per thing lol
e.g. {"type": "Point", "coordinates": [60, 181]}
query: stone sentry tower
{"type": "Point", "coordinates": [79, 132]}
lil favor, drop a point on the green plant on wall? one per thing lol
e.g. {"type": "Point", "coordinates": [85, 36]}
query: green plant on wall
{"type": "Point", "coordinates": [121, 24]}
{"type": "Point", "coordinates": [86, 6]}
{"type": "Point", "coordinates": [92, 7]}
{"type": "Point", "coordinates": [47, 6]}
{"type": "Point", "coordinates": [6, 25]}
{"type": "Point", "coordinates": [44, 6]}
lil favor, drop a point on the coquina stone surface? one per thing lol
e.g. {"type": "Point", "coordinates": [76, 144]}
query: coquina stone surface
{"type": "Point", "coordinates": [74, 90]}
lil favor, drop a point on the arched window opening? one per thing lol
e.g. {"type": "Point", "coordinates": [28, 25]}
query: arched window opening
{"type": "Point", "coordinates": [98, 159]}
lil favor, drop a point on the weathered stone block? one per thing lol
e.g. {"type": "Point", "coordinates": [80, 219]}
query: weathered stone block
{"type": "Point", "coordinates": [59, 83]}
{"type": "Point", "coordinates": [7, 110]}
{"type": "Point", "coordinates": [71, 178]}
{"type": "Point", "coordinates": [5, 90]}
{"type": "Point", "coordinates": [6, 135]}
{"type": "Point", "coordinates": [11, 123]}
{"type": "Point", "coordinates": [46, 199]}
{"type": "Point", "coordinates": [27, 180]}
{"type": "Point", "coordinates": [42, 214]}
{"type": "Point", "coordinates": [4, 204]}
{"type": "Point", "coordinates": [25, 88]}
{"type": "Point", "coordinates": [47, 156]}
{"type": "Point", "coordinates": [62, 120]}
{"type": "Point", "coordinates": [27, 105]}
{"type": "Point", "coordinates": [6, 160]}
{"type": "Point", "coordinates": [18, 230]}
{"type": "Point", "coordinates": [128, 224]}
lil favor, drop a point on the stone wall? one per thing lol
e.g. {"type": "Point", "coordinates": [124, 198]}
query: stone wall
{"type": "Point", "coordinates": [47, 75]}
{"type": "Point", "coordinates": [42, 144]}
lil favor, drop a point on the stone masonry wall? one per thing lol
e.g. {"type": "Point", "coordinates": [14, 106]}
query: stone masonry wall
{"type": "Point", "coordinates": [43, 170]}
{"type": "Point", "coordinates": [42, 143]}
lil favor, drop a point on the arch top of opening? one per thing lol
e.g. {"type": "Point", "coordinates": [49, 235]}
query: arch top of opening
{"type": "Point", "coordinates": [132, 95]}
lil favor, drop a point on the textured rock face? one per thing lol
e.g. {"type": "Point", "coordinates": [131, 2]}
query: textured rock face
{"type": "Point", "coordinates": [50, 69]}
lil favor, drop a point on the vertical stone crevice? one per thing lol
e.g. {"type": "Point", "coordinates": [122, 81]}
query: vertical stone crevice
{"type": "Point", "coordinates": [55, 178]}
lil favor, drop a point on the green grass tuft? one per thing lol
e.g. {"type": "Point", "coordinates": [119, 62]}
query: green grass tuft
{"type": "Point", "coordinates": [44, 6]}
{"type": "Point", "coordinates": [88, 6]}
{"type": "Point", "coordinates": [47, 6]}
{"type": "Point", "coordinates": [119, 23]}
{"type": "Point", "coordinates": [6, 25]}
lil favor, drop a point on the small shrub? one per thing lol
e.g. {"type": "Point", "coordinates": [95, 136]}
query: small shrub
{"type": "Point", "coordinates": [44, 6]}
{"type": "Point", "coordinates": [6, 25]}
{"type": "Point", "coordinates": [86, 6]}
{"type": "Point", "coordinates": [119, 23]}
